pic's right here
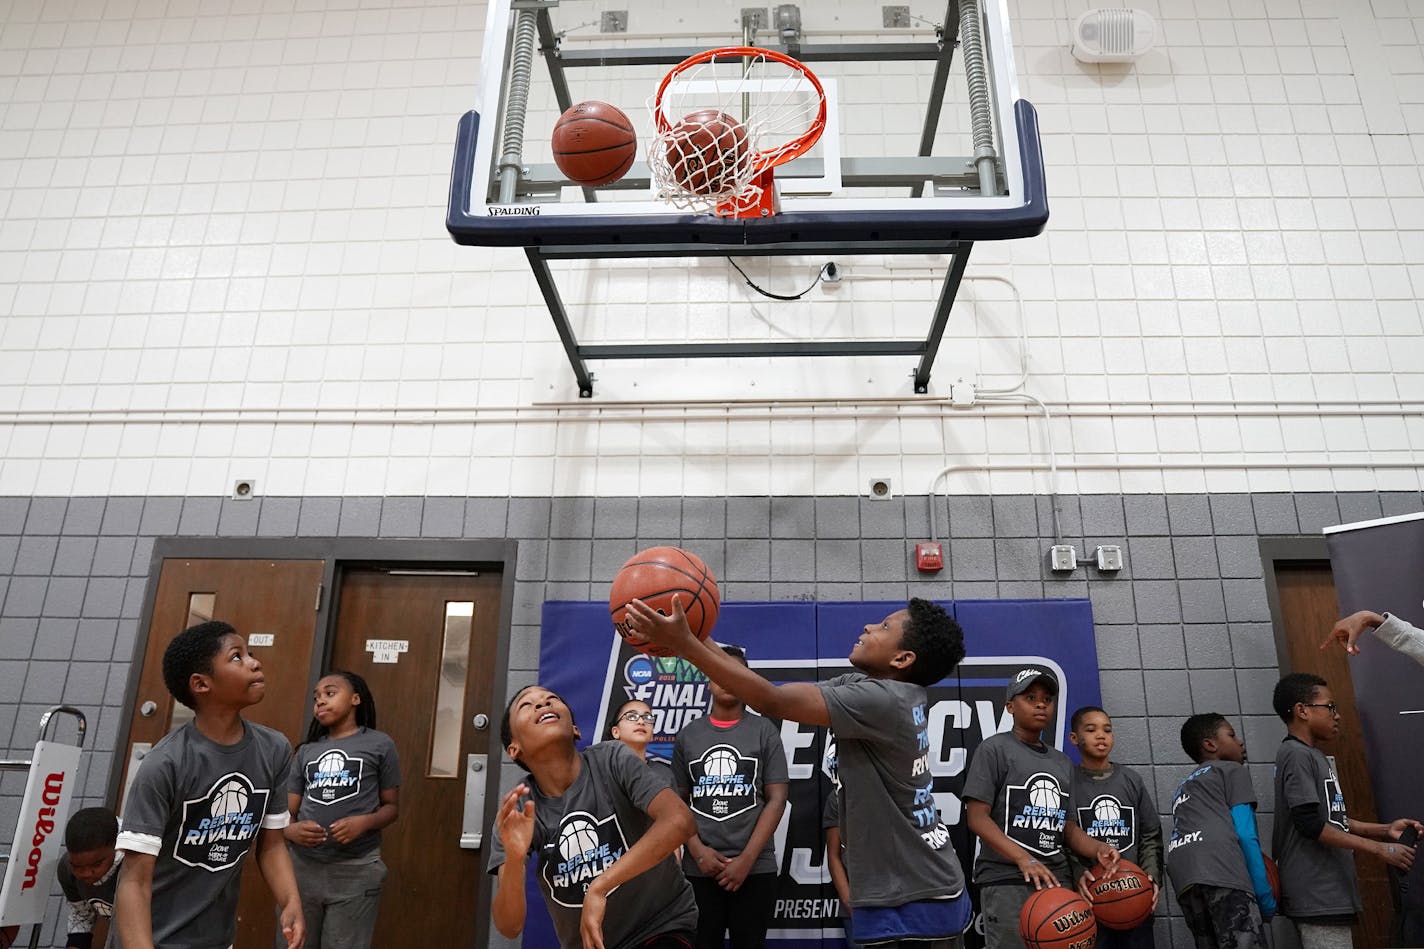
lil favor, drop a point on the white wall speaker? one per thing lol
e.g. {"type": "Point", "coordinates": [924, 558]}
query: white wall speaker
{"type": "Point", "coordinates": [1114, 35]}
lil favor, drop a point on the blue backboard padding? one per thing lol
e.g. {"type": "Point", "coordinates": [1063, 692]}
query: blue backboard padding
{"type": "Point", "coordinates": [948, 224]}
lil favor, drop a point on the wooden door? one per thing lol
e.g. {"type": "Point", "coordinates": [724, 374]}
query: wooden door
{"type": "Point", "coordinates": [276, 598]}
{"type": "Point", "coordinates": [1308, 610]}
{"type": "Point", "coordinates": [431, 674]}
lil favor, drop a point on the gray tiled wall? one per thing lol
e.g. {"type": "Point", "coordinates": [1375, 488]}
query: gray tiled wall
{"type": "Point", "coordinates": [1183, 628]}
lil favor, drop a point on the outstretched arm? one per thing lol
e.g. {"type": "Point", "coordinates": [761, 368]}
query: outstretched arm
{"type": "Point", "coordinates": [797, 701]}
{"type": "Point", "coordinates": [1394, 632]}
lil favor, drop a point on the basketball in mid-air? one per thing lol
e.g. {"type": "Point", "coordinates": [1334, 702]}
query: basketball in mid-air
{"type": "Point", "coordinates": [655, 576]}
{"type": "Point", "coordinates": [706, 151]}
{"type": "Point", "coordinates": [1123, 900]}
{"type": "Point", "coordinates": [1057, 918]}
{"type": "Point", "coordinates": [594, 144]}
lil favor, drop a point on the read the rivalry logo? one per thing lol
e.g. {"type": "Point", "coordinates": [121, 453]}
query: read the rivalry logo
{"type": "Point", "coordinates": [1034, 815]}
{"type": "Point", "coordinates": [219, 827]}
{"type": "Point", "coordinates": [724, 784]}
{"type": "Point", "coordinates": [333, 777]}
{"type": "Point", "coordinates": [1111, 821]}
{"type": "Point", "coordinates": [586, 847]}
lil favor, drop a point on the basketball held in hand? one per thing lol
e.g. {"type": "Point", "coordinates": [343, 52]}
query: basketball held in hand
{"type": "Point", "coordinates": [707, 151]}
{"type": "Point", "coordinates": [1057, 918]}
{"type": "Point", "coordinates": [655, 576]}
{"type": "Point", "coordinates": [1123, 900]}
{"type": "Point", "coordinates": [594, 144]}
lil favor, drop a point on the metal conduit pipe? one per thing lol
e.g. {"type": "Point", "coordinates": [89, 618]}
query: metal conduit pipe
{"type": "Point", "coordinates": [1163, 466]}
{"type": "Point", "coordinates": [511, 156]}
{"type": "Point", "coordinates": [1025, 398]}
{"type": "Point", "coordinates": [971, 46]}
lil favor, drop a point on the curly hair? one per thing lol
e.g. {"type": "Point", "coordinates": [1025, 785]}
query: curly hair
{"type": "Point", "coordinates": [1198, 729]}
{"type": "Point", "coordinates": [935, 638]}
{"type": "Point", "coordinates": [1292, 690]}
{"type": "Point", "coordinates": [190, 653]}
{"type": "Point", "coordinates": [93, 828]}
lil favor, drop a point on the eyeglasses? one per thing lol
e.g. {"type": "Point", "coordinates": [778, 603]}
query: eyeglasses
{"type": "Point", "coordinates": [647, 718]}
{"type": "Point", "coordinates": [1334, 709]}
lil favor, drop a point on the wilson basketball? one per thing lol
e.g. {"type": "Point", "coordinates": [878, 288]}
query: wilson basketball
{"type": "Point", "coordinates": [1273, 876]}
{"type": "Point", "coordinates": [1057, 918]}
{"type": "Point", "coordinates": [594, 144]}
{"type": "Point", "coordinates": [1124, 900]}
{"type": "Point", "coordinates": [655, 576]}
{"type": "Point", "coordinates": [706, 151]}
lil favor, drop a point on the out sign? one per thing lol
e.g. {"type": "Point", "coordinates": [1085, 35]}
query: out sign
{"type": "Point", "coordinates": [387, 650]}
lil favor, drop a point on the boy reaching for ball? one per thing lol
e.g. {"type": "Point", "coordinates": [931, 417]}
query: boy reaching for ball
{"type": "Point", "coordinates": [1214, 856]}
{"type": "Point", "coordinates": [1018, 801]}
{"type": "Point", "coordinates": [602, 827]}
{"type": "Point", "coordinates": [906, 885]}
{"type": "Point", "coordinates": [1113, 806]}
{"type": "Point", "coordinates": [203, 797]}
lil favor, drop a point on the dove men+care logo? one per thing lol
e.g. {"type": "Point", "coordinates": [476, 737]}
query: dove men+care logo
{"type": "Point", "coordinates": [218, 828]}
{"type": "Point", "coordinates": [334, 777]}
{"type": "Point", "coordinates": [586, 846]}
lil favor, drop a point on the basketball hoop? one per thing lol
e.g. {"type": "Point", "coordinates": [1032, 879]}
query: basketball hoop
{"type": "Point", "coordinates": [723, 120]}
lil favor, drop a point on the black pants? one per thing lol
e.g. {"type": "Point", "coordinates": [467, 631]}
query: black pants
{"type": "Point", "coordinates": [745, 914]}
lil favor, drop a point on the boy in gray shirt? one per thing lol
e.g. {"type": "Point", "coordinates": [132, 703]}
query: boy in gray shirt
{"type": "Point", "coordinates": [203, 797]}
{"type": "Point", "coordinates": [1313, 836]}
{"type": "Point", "coordinates": [730, 767]}
{"type": "Point", "coordinates": [1018, 801]}
{"type": "Point", "coordinates": [906, 885]}
{"type": "Point", "coordinates": [1214, 856]}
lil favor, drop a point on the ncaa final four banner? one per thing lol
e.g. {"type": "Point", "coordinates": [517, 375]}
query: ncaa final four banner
{"type": "Point", "coordinates": [585, 662]}
{"type": "Point", "coordinates": [1379, 566]}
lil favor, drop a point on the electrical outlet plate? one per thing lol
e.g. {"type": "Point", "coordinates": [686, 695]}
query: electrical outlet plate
{"type": "Point", "coordinates": [1109, 558]}
{"type": "Point", "coordinates": [895, 17]}
{"type": "Point", "coordinates": [244, 489]}
{"type": "Point", "coordinates": [1062, 558]}
{"type": "Point", "coordinates": [880, 489]}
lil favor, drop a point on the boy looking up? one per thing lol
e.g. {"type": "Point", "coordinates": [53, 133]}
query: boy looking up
{"type": "Point", "coordinates": [906, 885]}
{"type": "Point", "coordinates": [1114, 807]}
{"type": "Point", "coordinates": [1313, 836]}
{"type": "Point", "coordinates": [602, 827]}
{"type": "Point", "coordinates": [88, 872]}
{"type": "Point", "coordinates": [1214, 856]}
{"type": "Point", "coordinates": [204, 796]}
{"type": "Point", "coordinates": [1018, 801]}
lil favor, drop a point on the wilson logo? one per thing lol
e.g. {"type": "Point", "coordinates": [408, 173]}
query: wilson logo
{"type": "Point", "coordinates": [44, 826]}
{"type": "Point", "coordinates": [1071, 920]}
{"type": "Point", "coordinates": [1130, 884]}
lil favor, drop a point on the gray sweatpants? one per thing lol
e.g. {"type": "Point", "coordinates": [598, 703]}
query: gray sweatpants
{"type": "Point", "coordinates": [339, 900]}
{"type": "Point", "coordinates": [1316, 936]}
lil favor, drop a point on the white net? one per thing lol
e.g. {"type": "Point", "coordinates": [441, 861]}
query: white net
{"type": "Point", "coordinates": [719, 124]}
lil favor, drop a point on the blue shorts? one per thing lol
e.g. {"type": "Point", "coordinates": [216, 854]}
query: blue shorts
{"type": "Point", "coordinates": [926, 919]}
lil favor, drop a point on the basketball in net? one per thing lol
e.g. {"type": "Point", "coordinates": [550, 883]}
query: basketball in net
{"type": "Point", "coordinates": [1057, 918]}
{"type": "Point", "coordinates": [655, 576]}
{"type": "Point", "coordinates": [1123, 900]}
{"type": "Point", "coordinates": [707, 151]}
{"type": "Point", "coordinates": [594, 144]}
{"type": "Point", "coordinates": [723, 119]}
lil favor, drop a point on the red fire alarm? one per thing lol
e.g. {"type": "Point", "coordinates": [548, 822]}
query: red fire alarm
{"type": "Point", "coordinates": [929, 556]}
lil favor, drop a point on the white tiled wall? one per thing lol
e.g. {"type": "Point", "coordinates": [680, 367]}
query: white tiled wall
{"type": "Point", "coordinates": [222, 255]}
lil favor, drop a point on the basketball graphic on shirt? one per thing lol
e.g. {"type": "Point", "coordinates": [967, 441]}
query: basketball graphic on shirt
{"type": "Point", "coordinates": [1106, 809]}
{"type": "Point", "coordinates": [231, 798]}
{"type": "Point", "coordinates": [1034, 815]}
{"type": "Point", "coordinates": [334, 776]}
{"type": "Point", "coordinates": [577, 838]}
{"type": "Point", "coordinates": [584, 847]}
{"type": "Point", "coordinates": [219, 827]}
{"type": "Point", "coordinates": [331, 761]}
{"type": "Point", "coordinates": [1043, 792]}
{"type": "Point", "coordinates": [723, 783]}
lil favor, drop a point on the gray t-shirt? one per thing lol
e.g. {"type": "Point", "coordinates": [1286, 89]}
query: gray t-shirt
{"type": "Point", "coordinates": [341, 777]}
{"type": "Point", "coordinates": [723, 774]}
{"type": "Point", "coordinates": [581, 834]}
{"type": "Point", "coordinates": [1029, 793]}
{"type": "Point", "coordinates": [1316, 880]}
{"type": "Point", "coordinates": [1113, 806]}
{"type": "Point", "coordinates": [1204, 847]}
{"type": "Point", "coordinates": [897, 849]}
{"type": "Point", "coordinates": [198, 807]}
